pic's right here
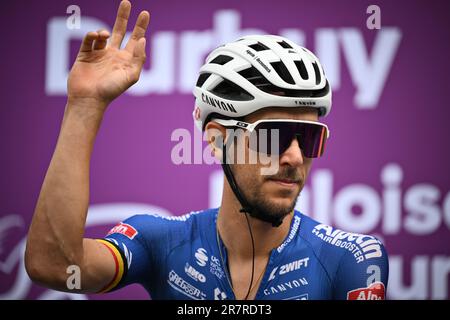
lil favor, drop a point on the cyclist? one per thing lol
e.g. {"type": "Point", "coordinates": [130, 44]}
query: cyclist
{"type": "Point", "coordinates": [255, 245]}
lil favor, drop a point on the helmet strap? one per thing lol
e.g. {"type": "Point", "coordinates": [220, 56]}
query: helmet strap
{"type": "Point", "coordinates": [246, 206]}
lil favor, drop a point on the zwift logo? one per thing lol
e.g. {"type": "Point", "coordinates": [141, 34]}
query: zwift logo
{"type": "Point", "coordinates": [288, 267]}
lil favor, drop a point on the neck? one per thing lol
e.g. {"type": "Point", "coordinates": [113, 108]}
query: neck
{"type": "Point", "coordinates": [235, 234]}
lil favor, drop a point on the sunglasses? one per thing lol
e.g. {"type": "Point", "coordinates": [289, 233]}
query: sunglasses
{"type": "Point", "coordinates": [311, 135]}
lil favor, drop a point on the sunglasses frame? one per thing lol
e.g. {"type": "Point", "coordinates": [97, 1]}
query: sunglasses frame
{"type": "Point", "coordinates": [252, 126]}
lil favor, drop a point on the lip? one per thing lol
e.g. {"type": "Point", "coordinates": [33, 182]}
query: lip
{"type": "Point", "coordinates": [285, 182]}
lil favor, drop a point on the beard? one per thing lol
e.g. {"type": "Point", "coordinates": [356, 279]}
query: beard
{"type": "Point", "coordinates": [263, 207]}
{"type": "Point", "coordinates": [267, 210]}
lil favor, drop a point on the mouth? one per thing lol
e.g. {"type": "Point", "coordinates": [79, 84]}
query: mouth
{"type": "Point", "coordinates": [289, 183]}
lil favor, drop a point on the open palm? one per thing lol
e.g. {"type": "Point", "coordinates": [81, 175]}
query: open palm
{"type": "Point", "coordinates": [102, 70]}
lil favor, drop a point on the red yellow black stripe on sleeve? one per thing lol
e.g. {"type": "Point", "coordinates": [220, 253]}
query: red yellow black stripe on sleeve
{"type": "Point", "coordinates": [120, 265]}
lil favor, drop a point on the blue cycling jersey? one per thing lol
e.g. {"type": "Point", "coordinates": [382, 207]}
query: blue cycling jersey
{"type": "Point", "coordinates": [183, 258]}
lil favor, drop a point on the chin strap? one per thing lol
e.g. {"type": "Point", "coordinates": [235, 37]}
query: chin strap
{"type": "Point", "coordinates": [246, 206]}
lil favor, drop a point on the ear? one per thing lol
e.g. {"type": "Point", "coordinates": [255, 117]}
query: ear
{"type": "Point", "coordinates": [215, 135]}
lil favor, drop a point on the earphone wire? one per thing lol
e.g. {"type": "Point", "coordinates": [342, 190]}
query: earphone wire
{"type": "Point", "coordinates": [253, 256]}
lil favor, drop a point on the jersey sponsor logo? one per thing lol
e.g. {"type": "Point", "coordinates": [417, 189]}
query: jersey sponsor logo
{"type": "Point", "coordinates": [374, 273]}
{"type": "Point", "coordinates": [362, 246]}
{"type": "Point", "coordinates": [184, 287]}
{"type": "Point", "coordinates": [219, 294]}
{"type": "Point", "coordinates": [124, 229]}
{"type": "Point", "coordinates": [291, 235]}
{"type": "Point", "coordinates": [291, 266]}
{"type": "Point", "coordinates": [201, 257]}
{"type": "Point", "coordinates": [375, 291]}
{"type": "Point", "coordinates": [215, 268]}
{"type": "Point", "coordinates": [286, 286]}
{"type": "Point", "coordinates": [193, 273]}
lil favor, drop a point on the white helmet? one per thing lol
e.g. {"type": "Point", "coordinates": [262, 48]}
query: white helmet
{"type": "Point", "coordinates": [256, 72]}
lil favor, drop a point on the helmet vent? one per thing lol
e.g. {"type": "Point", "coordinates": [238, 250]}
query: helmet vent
{"type": "Point", "coordinates": [259, 81]}
{"type": "Point", "coordinates": [302, 69]}
{"type": "Point", "coordinates": [317, 72]}
{"type": "Point", "coordinates": [228, 90]}
{"type": "Point", "coordinates": [284, 44]}
{"type": "Point", "coordinates": [221, 59]}
{"type": "Point", "coordinates": [255, 77]}
{"type": "Point", "coordinates": [259, 47]}
{"type": "Point", "coordinates": [202, 78]}
{"type": "Point", "coordinates": [283, 72]}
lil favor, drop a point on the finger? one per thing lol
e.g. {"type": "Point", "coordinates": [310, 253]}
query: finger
{"type": "Point", "coordinates": [100, 42]}
{"type": "Point", "coordinates": [120, 26]}
{"type": "Point", "coordinates": [139, 49]}
{"type": "Point", "coordinates": [139, 59]}
{"type": "Point", "coordinates": [139, 30]}
{"type": "Point", "coordinates": [86, 45]}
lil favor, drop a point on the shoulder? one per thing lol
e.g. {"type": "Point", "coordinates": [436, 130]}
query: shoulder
{"type": "Point", "coordinates": [150, 226]}
{"type": "Point", "coordinates": [353, 260]}
{"type": "Point", "coordinates": [361, 247]}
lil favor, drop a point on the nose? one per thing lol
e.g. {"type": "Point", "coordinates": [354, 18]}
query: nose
{"type": "Point", "coordinates": [293, 155]}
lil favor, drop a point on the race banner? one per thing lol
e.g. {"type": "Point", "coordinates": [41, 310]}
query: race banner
{"type": "Point", "coordinates": [384, 171]}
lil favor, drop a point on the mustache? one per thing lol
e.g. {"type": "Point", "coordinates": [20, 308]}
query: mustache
{"type": "Point", "coordinates": [287, 173]}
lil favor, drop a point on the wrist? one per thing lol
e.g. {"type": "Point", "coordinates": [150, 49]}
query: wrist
{"type": "Point", "coordinates": [84, 113]}
{"type": "Point", "coordinates": [87, 103]}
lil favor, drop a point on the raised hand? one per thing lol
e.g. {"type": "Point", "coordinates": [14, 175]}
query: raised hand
{"type": "Point", "coordinates": [102, 71]}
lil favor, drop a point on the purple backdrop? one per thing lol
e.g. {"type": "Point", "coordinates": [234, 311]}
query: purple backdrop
{"type": "Point", "coordinates": [384, 171]}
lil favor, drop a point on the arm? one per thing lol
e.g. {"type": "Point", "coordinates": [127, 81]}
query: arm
{"type": "Point", "coordinates": [100, 73]}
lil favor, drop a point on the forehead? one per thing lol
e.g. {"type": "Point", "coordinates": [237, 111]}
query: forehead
{"type": "Point", "coordinates": [310, 114]}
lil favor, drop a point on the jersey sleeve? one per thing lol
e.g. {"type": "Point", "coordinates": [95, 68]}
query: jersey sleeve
{"type": "Point", "coordinates": [364, 276]}
{"type": "Point", "coordinates": [136, 243]}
